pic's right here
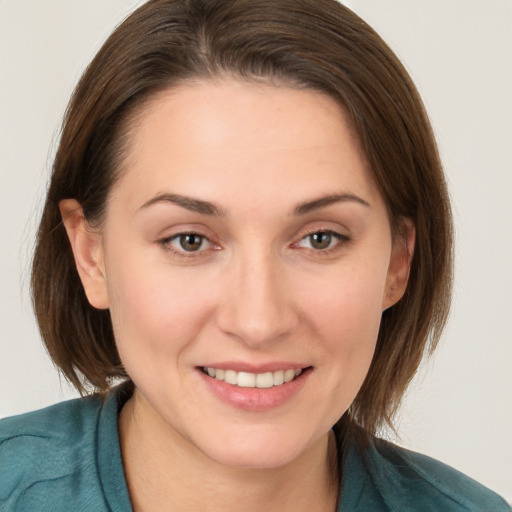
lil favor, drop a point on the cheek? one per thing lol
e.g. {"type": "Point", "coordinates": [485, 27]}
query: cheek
{"type": "Point", "coordinates": [345, 317]}
{"type": "Point", "coordinates": [347, 309]}
{"type": "Point", "coordinates": [155, 313]}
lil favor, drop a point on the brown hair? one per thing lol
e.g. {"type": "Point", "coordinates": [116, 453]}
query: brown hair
{"type": "Point", "coordinates": [317, 44]}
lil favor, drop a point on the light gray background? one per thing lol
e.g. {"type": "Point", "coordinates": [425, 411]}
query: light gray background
{"type": "Point", "coordinates": [459, 52]}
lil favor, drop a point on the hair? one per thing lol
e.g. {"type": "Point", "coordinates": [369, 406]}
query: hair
{"type": "Point", "coordinates": [313, 44]}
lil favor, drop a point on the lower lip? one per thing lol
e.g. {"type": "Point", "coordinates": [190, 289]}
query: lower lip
{"type": "Point", "coordinates": [255, 399]}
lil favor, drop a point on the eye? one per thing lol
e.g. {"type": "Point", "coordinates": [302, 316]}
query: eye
{"type": "Point", "coordinates": [322, 240]}
{"type": "Point", "coordinates": [187, 242]}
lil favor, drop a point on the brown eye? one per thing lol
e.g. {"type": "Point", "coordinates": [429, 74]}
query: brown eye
{"type": "Point", "coordinates": [323, 241]}
{"type": "Point", "coordinates": [320, 240]}
{"type": "Point", "coordinates": [190, 242]}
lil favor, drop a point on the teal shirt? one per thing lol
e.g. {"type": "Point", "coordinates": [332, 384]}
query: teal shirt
{"type": "Point", "coordinates": [67, 457]}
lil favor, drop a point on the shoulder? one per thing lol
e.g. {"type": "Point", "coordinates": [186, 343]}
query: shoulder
{"type": "Point", "coordinates": [416, 482]}
{"type": "Point", "coordinates": [47, 452]}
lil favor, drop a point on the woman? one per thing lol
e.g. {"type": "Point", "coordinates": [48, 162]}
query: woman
{"type": "Point", "coordinates": [248, 224]}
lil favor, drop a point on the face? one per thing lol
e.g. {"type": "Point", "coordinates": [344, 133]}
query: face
{"type": "Point", "coordinates": [246, 258]}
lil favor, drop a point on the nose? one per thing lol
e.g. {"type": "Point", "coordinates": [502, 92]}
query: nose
{"type": "Point", "coordinates": [256, 306]}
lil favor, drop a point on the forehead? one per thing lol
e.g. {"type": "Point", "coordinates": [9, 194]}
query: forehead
{"type": "Point", "coordinates": [209, 138]}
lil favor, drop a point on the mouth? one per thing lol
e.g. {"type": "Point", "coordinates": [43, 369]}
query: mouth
{"type": "Point", "coordinates": [265, 388]}
{"type": "Point", "coordinates": [264, 380]}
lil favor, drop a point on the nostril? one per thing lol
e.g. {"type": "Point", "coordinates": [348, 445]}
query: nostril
{"type": "Point", "coordinates": [257, 325]}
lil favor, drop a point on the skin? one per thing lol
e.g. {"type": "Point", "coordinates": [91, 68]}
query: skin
{"type": "Point", "coordinates": [256, 291]}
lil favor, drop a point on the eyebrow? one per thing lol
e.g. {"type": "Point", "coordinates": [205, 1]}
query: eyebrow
{"type": "Point", "coordinates": [323, 202]}
{"type": "Point", "coordinates": [208, 208]}
{"type": "Point", "coordinates": [189, 203]}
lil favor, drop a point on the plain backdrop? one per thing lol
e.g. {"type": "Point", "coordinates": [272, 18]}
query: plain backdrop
{"type": "Point", "coordinates": [459, 52]}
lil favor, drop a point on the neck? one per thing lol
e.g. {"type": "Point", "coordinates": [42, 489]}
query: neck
{"type": "Point", "coordinates": [166, 472]}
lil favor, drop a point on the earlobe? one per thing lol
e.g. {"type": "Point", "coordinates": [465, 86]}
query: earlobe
{"type": "Point", "coordinates": [87, 251]}
{"type": "Point", "coordinates": [400, 265]}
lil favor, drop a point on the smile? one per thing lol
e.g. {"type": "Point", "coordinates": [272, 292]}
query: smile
{"type": "Point", "coordinates": [253, 380]}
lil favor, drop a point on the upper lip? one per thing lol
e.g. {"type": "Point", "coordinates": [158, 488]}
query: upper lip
{"type": "Point", "coordinates": [240, 366]}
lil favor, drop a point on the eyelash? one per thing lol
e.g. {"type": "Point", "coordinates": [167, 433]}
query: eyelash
{"type": "Point", "coordinates": [340, 240]}
{"type": "Point", "coordinates": [165, 243]}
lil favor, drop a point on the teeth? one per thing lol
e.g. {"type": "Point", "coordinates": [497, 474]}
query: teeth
{"type": "Point", "coordinates": [253, 380]}
{"type": "Point", "coordinates": [246, 380]}
{"type": "Point", "coordinates": [230, 376]}
{"type": "Point", "coordinates": [278, 378]}
{"type": "Point", "coordinates": [264, 380]}
{"type": "Point", "coordinates": [289, 375]}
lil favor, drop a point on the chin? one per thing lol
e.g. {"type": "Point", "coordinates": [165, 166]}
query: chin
{"type": "Point", "coordinates": [258, 449]}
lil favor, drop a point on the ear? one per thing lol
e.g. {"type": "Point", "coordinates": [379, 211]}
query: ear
{"type": "Point", "coordinates": [87, 251]}
{"type": "Point", "coordinates": [399, 264]}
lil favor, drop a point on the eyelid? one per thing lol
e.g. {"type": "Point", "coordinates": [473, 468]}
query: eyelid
{"type": "Point", "coordinates": [342, 241]}
{"type": "Point", "coordinates": [166, 244]}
